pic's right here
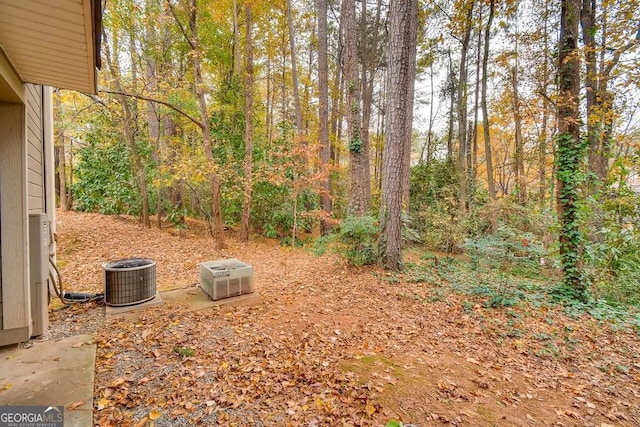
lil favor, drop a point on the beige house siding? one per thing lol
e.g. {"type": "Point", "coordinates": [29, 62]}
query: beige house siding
{"type": "Point", "coordinates": [35, 149]}
{"type": "Point", "coordinates": [51, 42]}
{"type": "Point", "coordinates": [13, 228]}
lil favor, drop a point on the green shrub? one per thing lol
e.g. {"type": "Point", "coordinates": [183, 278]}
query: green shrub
{"type": "Point", "coordinates": [357, 240]}
{"type": "Point", "coordinates": [440, 231]}
{"type": "Point", "coordinates": [613, 254]}
{"type": "Point", "coordinates": [104, 182]}
{"type": "Point", "coordinates": [507, 249]}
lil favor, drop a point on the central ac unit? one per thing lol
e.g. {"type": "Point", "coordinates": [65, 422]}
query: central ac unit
{"type": "Point", "coordinates": [226, 278]}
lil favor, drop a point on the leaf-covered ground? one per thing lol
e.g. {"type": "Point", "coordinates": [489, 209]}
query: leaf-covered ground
{"type": "Point", "coordinates": [328, 345]}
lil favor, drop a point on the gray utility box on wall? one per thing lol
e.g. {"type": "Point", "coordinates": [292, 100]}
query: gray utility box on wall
{"type": "Point", "coordinates": [39, 272]}
{"type": "Point", "coordinates": [226, 278]}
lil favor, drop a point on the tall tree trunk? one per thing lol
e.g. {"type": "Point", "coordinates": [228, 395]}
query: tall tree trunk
{"type": "Point", "coordinates": [570, 148]}
{"type": "Point", "coordinates": [128, 128]}
{"type": "Point", "coordinates": [248, 129]}
{"type": "Point", "coordinates": [452, 101]}
{"type": "Point", "coordinates": [519, 144]}
{"type": "Point", "coordinates": [401, 78]}
{"type": "Point", "coordinates": [214, 181]}
{"type": "Point", "coordinates": [133, 114]}
{"type": "Point", "coordinates": [169, 131]}
{"type": "Point", "coordinates": [473, 171]}
{"type": "Point", "coordinates": [588, 24]}
{"type": "Point", "coordinates": [431, 117]}
{"type": "Point", "coordinates": [62, 156]}
{"type": "Point", "coordinates": [369, 65]}
{"type": "Point", "coordinates": [337, 93]}
{"type": "Point", "coordinates": [463, 141]}
{"type": "Point", "coordinates": [236, 40]}
{"type": "Point", "coordinates": [152, 115]}
{"type": "Point", "coordinates": [323, 115]}
{"type": "Point", "coordinates": [483, 102]}
{"type": "Point", "coordinates": [294, 71]}
{"type": "Point", "coordinates": [542, 154]}
{"type": "Point", "coordinates": [542, 146]}
{"type": "Point", "coordinates": [358, 149]}
{"type": "Point", "coordinates": [600, 113]}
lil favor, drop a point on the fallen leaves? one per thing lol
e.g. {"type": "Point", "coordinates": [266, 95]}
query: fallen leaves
{"type": "Point", "coordinates": [335, 346]}
{"type": "Point", "coordinates": [154, 414]}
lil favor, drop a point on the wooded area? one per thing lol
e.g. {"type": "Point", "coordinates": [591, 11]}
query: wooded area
{"type": "Point", "coordinates": [477, 126]}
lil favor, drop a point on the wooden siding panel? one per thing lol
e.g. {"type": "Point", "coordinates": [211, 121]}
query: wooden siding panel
{"type": "Point", "coordinates": [50, 42]}
{"type": "Point", "coordinates": [61, 10]}
{"type": "Point", "coordinates": [13, 210]}
{"type": "Point", "coordinates": [57, 69]}
{"type": "Point", "coordinates": [37, 30]}
{"type": "Point", "coordinates": [16, 16]}
{"type": "Point", "coordinates": [35, 150]}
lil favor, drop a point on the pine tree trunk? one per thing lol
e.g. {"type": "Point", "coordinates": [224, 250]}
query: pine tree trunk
{"type": "Point", "coordinates": [463, 141]}
{"type": "Point", "coordinates": [401, 77]}
{"type": "Point", "coordinates": [358, 149]}
{"type": "Point", "coordinates": [483, 101]}
{"type": "Point", "coordinates": [323, 115]}
{"type": "Point", "coordinates": [294, 71]}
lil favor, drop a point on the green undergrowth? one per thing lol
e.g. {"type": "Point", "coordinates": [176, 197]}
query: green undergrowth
{"type": "Point", "coordinates": [505, 285]}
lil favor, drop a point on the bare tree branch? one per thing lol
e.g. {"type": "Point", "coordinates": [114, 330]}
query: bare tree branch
{"type": "Point", "coordinates": [158, 101]}
{"type": "Point", "coordinates": [618, 52]}
{"type": "Point", "coordinates": [182, 29]}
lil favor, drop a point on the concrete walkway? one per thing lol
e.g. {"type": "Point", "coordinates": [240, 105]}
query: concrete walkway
{"type": "Point", "coordinates": [52, 373]}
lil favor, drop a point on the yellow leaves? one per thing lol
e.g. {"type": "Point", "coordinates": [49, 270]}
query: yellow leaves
{"type": "Point", "coordinates": [6, 387]}
{"type": "Point", "coordinates": [371, 409]}
{"type": "Point", "coordinates": [154, 414]}
{"type": "Point", "coordinates": [103, 403]}
{"type": "Point", "coordinates": [224, 365]}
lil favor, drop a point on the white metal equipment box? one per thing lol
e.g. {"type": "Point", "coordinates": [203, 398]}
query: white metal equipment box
{"type": "Point", "coordinates": [226, 278]}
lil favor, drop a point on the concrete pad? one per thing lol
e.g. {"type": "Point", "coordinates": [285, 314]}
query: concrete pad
{"type": "Point", "coordinates": [194, 298]}
{"type": "Point", "coordinates": [52, 373]}
{"type": "Point", "coordinates": [112, 311]}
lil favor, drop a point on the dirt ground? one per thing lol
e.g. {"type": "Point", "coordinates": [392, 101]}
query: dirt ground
{"type": "Point", "coordinates": [328, 345]}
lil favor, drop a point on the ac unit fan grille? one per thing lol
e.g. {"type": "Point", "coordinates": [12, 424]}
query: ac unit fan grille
{"type": "Point", "coordinates": [129, 282]}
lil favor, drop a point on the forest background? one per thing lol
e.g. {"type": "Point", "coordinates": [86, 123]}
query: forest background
{"type": "Point", "coordinates": [293, 120]}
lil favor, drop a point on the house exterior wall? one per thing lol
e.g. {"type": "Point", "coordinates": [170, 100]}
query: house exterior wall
{"type": "Point", "coordinates": [35, 149]}
{"type": "Point", "coordinates": [16, 316]}
{"type": "Point", "coordinates": [26, 185]}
